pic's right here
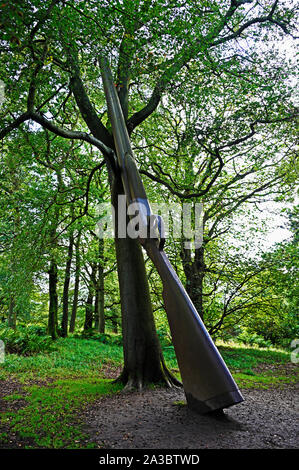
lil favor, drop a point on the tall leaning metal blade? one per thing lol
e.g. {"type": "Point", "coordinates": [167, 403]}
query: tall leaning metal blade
{"type": "Point", "coordinates": [207, 382]}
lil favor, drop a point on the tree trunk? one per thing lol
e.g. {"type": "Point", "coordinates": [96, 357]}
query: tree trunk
{"type": "Point", "coordinates": [89, 302]}
{"type": "Point", "coordinates": [194, 271]}
{"type": "Point", "coordinates": [12, 311]}
{"type": "Point", "coordinates": [77, 283]}
{"type": "Point", "coordinates": [99, 300]}
{"type": "Point", "coordinates": [65, 295]}
{"type": "Point", "coordinates": [88, 312]}
{"type": "Point", "coordinates": [114, 325]}
{"type": "Point", "coordinates": [99, 306]}
{"type": "Point", "coordinates": [53, 300]}
{"type": "Point", "coordinates": [143, 359]}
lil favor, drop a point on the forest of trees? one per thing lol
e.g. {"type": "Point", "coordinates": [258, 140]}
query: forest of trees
{"type": "Point", "coordinates": [207, 89]}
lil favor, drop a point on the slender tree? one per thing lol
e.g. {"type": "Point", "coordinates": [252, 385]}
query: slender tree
{"type": "Point", "coordinates": [89, 317]}
{"type": "Point", "coordinates": [77, 283]}
{"type": "Point", "coordinates": [99, 309]}
{"type": "Point", "coordinates": [65, 295]}
{"type": "Point", "coordinates": [53, 300]}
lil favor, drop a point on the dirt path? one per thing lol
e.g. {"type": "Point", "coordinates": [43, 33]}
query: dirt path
{"type": "Point", "coordinates": [152, 420]}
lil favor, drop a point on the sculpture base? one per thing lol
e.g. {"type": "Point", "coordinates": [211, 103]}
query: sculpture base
{"type": "Point", "coordinates": [216, 403]}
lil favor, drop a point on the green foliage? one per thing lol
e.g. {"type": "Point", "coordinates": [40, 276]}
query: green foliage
{"type": "Point", "coordinates": [164, 337]}
{"type": "Point", "coordinates": [105, 338]}
{"type": "Point", "coordinates": [253, 340]}
{"type": "Point", "coordinates": [26, 341]}
{"type": "Point", "coordinates": [241, 335]}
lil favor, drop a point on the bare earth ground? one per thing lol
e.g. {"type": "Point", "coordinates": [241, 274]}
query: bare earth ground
{"type": "Point", "coordinates": [152, 420]}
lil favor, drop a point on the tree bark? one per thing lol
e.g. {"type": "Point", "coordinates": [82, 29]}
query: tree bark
{"type": "Point", "coordinates": [89, 302]}
{"type": "Point", "coordinates": [114, 325]}
{"type": "Point", "coordinates": [143, 359]}
{"type": "Point", "coordinates": [53, 300]}
{"type": "Point", "coordinates": [65, 295]}
{"type": "Point", "coordinates": [99, 299]}
{"type": "Point", "coordinates": [195, 272]}
{"type": "Point", "coordinates": [88, 312]}
{"type": "Point", "coordinates": [77, 283]}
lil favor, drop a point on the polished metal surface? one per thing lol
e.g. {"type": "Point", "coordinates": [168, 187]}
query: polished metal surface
{"type": "Point", "coordinates": [207, 382]}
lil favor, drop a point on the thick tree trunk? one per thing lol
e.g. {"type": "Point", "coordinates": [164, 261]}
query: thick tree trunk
{"type": "Point", "coordinates": [143, 359]}
{"type": "Point", "coordinates": [65, 295]}
{"type": "Point", "coordinates": [53, 300]}
{"type": "Point", "coordinates": [77, 283]}
{"type": "Point", "coordinates": [99, 299]}
{"type": "Point", "coordinates": [194, 270]}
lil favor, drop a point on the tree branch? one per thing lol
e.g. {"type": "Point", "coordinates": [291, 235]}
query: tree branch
{"type": "Point", "coordinates": [87, 110]}
{"type": "Point", "coordinates": [65, 133]}
{"type": "Point", "coordinates": [191, 195]}
{"type": "Point", "coordinates": [68, 134]}
{"type": "Point", "coordinates": [14, 125]}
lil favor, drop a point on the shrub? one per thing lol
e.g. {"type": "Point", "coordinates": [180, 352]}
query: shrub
{"type": "Point", "coordinates": [164, 337]}
{"type": "Point", "coordinates": [25, 341]}
{"type": "Point", "coordinates": [104, 338]}
{"type": "Point", "coordinates": [229, 333]}
{"type": "Point", "coordinates": [35, 330]}
{"type": "Point", "coordinates": [253, 339]}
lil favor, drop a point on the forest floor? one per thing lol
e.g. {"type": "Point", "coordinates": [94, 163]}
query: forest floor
{"type": "Point", "coordinates": [61, 403]}
{"type": "Point", "coordinates": [157, 419]}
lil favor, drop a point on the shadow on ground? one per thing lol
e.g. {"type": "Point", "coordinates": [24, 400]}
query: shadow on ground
{"type": "Point", "coordinates": [154, 420]}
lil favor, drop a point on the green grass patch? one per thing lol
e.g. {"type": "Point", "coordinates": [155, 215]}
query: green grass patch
{"type": "Point", "coordinates": [242, 360]}
{"type": "Point", "coordinates": [13, 397]}
{"type": "Point", "coordinates": [83, 358]}
{"type": "Point", "coordinates": [263, 381]}
{"type": "Point", "coordinates": [246, 357]}
{"type": "Point", "coordinates": [72, 356]}
{"type": "Point", "coordinates": [69, 378]}
{"type": "Point", "coordinates": [259, 368]}
{"type": "Point", "coordinates": [49, 419]}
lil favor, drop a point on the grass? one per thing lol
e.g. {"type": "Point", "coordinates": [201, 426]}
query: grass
{"type": "Point", "coordinates": [81, 357]}
{"type": "Point", "coordinates": [69, 378]}
{"type": "Point", "coordinates": [259, 368]}
{"type": "Point", "coordinates": [49, 419]}
{"type": "Point", "coordinates": [57, 385]}
{"type": "Point", "coordinates": [245, 357]}
{"type": "Point", "coordinates": [249, 365]}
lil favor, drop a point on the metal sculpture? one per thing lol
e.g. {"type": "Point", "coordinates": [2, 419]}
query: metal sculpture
{"type": "Point", "coordinates": [207, 382]}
